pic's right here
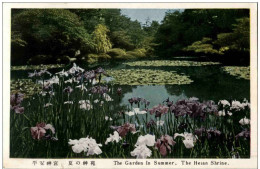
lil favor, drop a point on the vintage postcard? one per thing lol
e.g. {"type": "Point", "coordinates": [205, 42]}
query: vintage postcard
{"type": "Point", "coordinates": [130, 85]}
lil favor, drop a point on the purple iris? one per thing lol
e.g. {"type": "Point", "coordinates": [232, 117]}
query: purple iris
{"type": "Point", "coordinates": [159, 110]}
{"type": "Point", "coordinates": [90, 75]}
{"type": "Point", "coordinates": [99, 89]}
{"type": "Point", "coordinates": [15, 101]}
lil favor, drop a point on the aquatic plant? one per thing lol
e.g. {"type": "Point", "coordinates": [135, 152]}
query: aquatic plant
{"type": "Point", "coordinates": [238, 71]}
{"type": "Point", "coordinates": [158, 63]}
{"type": "Point", "coordinates": [82, 108]}
{"type": "Point", "coordinates": [37, 67]}
{"type": "Point", "coordinates": [147, 77]}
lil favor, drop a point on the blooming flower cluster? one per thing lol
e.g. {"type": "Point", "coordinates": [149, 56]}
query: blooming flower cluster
{"type": "Point", "coordinates": [40, 73]}
{"type": "Point", "coordinates": [99, 89]}
{"type": "Point", "coordinates": [138, 100]}
{"type": "Point", "coordinates": [135, 112]}
{"type": "Point", "coordinates": [15, 102]}
{"type": "Point", "coordinates": [189, 114]}
{"type": "Point", "coordinates": [159, 110]}
{"type": "Point", "coordinates": [87, 145]}
{"type": "Point", "coordinates": [237, 106]}
{"type": "Point", "coordinates": [124, 129]}
{"type": "Point", "coordinates": [85, 105]}
{"type": "Point", "coordinates": [141, 150]}
{"type": "Point", "coordinates": [193, 108]}
{"type": "Point", "coordinates": [39, 131]}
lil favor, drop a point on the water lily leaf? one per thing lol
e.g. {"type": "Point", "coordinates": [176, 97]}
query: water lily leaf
{"type": "Point", "coordinates": [158, 63]}
{"type": "Point", "coordinates": [147, 77]}
{"type": "Point", "coordinates": [238, 71]}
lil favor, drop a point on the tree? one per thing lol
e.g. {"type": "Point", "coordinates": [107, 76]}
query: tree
{"type": "Point", "coordinates": [238, 39]}
{"type": "Point", "coordinates": [180, 29]}
{"type": "Point", "coordinates": [204, 46]}
{"type": "Point", "coordinates": [101, 40]}
{"type": "Point", "coordinates": [120, 39]}
{"type": "Point", "coordinates": [52, 32]}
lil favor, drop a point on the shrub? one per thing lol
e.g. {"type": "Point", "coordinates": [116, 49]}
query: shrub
{"type": "Point", "coordinates": [40, 59]}
{"type": "Point", "coordinates": [92, 58]}
{"type": "Point", "coordinates": [137, 53]}
{"type": "Point", "coordinates": [116, 53]}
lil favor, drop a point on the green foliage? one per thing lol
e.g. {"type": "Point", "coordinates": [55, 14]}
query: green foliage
{"type": "Point", "coordinates": [120, 39]}
{"type": "Point", "coordinates": [93, 58]}
{"type": "Point", "coordinates": [53, 32]}
{"type": "Point", "coordinates": [158, 63]}
{"type": "Point", "coordinates": [137, 53]}
{"type": "Point", "coordinates": [101, 40]}
{"type": "Point", "coordinates": [147, 77]}
{"type": "Point", "coordinates": [238, 72]}
{"type": "Point", "coordinates": [181, 29]}
{"type": "Point", "coordinates": [204, 46]}
{"type": "Point", "coordinates": [236, 40]}
{"type": "Point", "coordinates": [116, 53]}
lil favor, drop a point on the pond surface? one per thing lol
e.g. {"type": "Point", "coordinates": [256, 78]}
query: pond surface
{"type": "Point", "coordinates": [210, 82]}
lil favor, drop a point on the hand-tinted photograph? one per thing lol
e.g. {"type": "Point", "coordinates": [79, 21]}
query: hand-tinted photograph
{"type": "Point", "coordinates": [130, 83]}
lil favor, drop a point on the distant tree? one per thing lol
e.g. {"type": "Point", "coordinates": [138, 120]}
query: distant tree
{"type": "Point", "coordinates": [204, 46]}
{"type": "Point", "coordinates": [49, 31]}
{"type": "Point", "coordinates": [120, 39]}
{"type": "Point", "coordinates": [181, 29]}
{"type": "Point", "coordinates": [238, 39]}
{"type": "Point", "coordinates": [101, 40]}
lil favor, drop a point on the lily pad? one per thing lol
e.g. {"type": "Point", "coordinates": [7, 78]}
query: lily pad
{"type": "Point", "coordinates": [25, 86]}
{"type": "Point", "coordinates": [238, 72]}
{"type": "Point", "coordinates": [147, 77]}
{"type": "Point", "coordinates": [37, 67]}
{"type": "Point", "coordinates": [158, 63]}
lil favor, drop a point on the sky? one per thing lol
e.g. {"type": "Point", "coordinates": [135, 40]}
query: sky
{"type": "Point", "coordinates": [142, 14]}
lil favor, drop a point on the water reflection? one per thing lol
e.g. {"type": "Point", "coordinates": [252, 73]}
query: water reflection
{"type": "Point", "coordinates": [155, 94]}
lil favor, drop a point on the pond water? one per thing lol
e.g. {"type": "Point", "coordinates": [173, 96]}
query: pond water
{"type": "Point", "coordinates": [209, 83]}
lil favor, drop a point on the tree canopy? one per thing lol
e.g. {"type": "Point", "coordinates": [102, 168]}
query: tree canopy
{"type": "Point", "coordinates": [56, 35]}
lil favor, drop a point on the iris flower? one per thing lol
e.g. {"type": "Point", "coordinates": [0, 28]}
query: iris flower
{"type": "Point", "coordinates": [141, 152]}
{"type": "Point", "coordinates": [164, 143]}
{"type": "Point", "coordinates": [115, 137]}
{"type": "Point", "coordinates": [87, 145]}
{"type": "Point", "coordinates": [189, 139]}
{"type": "Point", "coordinates": [39, 131]}
{"type": "Point", "coordinates": [159, 110]}
{"type": "Point", "coordinates": [124, 129]}
{"type": "Point", "coordinates": [244, 121]}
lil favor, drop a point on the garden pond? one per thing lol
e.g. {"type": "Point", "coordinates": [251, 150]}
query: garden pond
{"type": "Point", "coordinates": [158, 80]}
{"type": "Point", "coordinates": [141, 101]}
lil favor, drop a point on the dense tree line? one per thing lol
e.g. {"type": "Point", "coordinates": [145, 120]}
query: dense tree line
{"type": "Point", "coordinates": [92, 35]}
{"type": "Point", "coordinates": [220, 33]}
{"type": "Point", "coordinates": [60, 35]}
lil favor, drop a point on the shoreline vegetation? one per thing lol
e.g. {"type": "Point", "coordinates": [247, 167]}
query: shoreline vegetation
{"type": "Point", "coordinates": [89, 36]}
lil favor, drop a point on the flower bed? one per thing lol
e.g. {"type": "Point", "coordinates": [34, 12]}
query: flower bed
{"type": "Point", "coordinates": [76, 116]}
